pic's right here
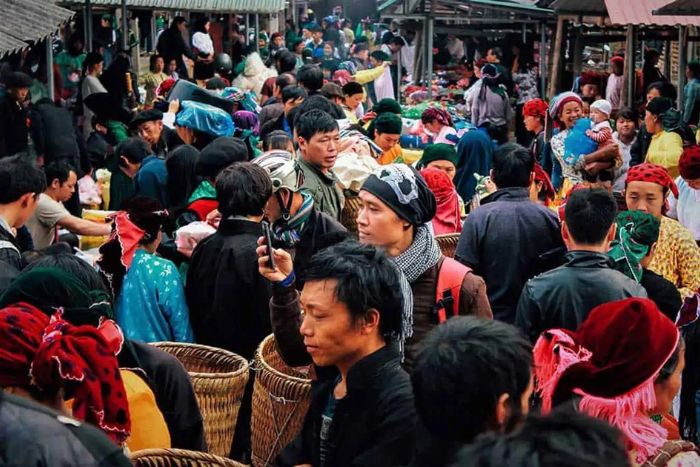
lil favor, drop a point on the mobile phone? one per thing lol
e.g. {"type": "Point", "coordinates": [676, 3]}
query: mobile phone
{"type": "Point", "coordinates": [267, 231]}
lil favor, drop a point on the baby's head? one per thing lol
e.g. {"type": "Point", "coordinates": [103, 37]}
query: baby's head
{"type": "Point", "coordinates": [600, 111]}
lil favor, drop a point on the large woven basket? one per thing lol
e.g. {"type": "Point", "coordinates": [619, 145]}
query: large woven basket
{"type": "Point", "coordinates": [448, 244]}
{"type": "Point", "coordinates": [281, 396]}
{"type": "Point", "coordinates": [179, 458]}
{"type": "Point", "coordinates": [219, 378]}
{"type": "Point", "coordinates": [348, 217]}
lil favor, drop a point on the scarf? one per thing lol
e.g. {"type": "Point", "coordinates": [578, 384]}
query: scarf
{"type": "Point", "coordinates": [289, 233]}
{"type": "Point", "coordinates": [636, 233]}
{"type": "Point", "coordinates": [447, 219]}
{"type": "Point", "coordinates": [205, 190]}
{"type": "Point", "coordinates": [50, 354]}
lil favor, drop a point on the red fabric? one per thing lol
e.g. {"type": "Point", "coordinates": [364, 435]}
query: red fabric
{"type": "Point", "coordinates": [617, 59]}
{"type": "Point", "coordinates": [51, 354]}
{"type": "Point", "coordinates": [128, 235]}
{"type": "Point", "coordinates": [202, 207]}
{"type": "Point", "coordinates": [342, 77]}
{"type": "Point", "coordinates": [535, 108]}
{"type": "Point", "coordinates": [541, 176]}
{"type": "Point", "coordinates": [435, 114]}
{"type": "Point", "coordinates": [447, 219]}
{"type": "Point", "coordinates": [165, 87]}
{"type": "Point", "coordinates": [689, 163]}
{"type": "Point", "coordinates": [653, 173]}
{"type": "Point", "coordinates": [590, 77]}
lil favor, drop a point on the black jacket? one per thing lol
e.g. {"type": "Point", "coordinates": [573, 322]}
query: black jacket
{"type": "Point", "coordinates": [563, 297]}
{"type": "Point", "coordinates": [373, 425]}
{"type": "Point", "coordinates": [14, 131]}
{"type": "Point", "coordinates": [54, 135]}
{"type": "Point", "coordinates": [168, 141]}
{"type": "Point", "coordinates": [662, 292]}
{"type": "Point", "coordinates": [10, 259]}
{"type": "Point", "coordinates": [227, 296]}
{"type": "Point", "coordinates": [172, 46]}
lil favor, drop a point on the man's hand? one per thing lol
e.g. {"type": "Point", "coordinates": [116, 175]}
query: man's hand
{"type": "Point", "coordinates": [213, 218]}
{"type": "Point", "coordinates": [174, 106]}
{"type": "Point", "coordinates": [283, 263]}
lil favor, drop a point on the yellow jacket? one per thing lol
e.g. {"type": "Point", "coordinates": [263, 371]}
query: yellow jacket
{"type": "Point", "coordinates": [665, 149]}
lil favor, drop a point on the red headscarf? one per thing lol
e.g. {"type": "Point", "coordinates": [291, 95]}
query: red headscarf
{"type": "Point", "coordinates": [440, 115]}
{"type": "Point", "coordinates": [50, 353]}
{"type": "Point", "coordinates": [535, 108]}
{"type": "Point", "coordinates": [447, 219]}
{"type": "Point", "coordinates": [689, 163]}
{"type": "Point", "coordinates": [547, 187]}
{"type": "Point", "coordinates": [653, 173]}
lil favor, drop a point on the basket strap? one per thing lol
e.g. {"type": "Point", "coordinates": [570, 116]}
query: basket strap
{"type": "Point", "coordinates": [279, 430]}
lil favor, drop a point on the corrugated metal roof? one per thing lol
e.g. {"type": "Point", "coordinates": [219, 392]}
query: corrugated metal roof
{"type": "Point", "coordinates": [680, 8]}
{"type": "Point", "coordinates": [621, 12]}
{"type": "Point", "coordinates": [28, 21]}
{"type": "Point", "coordinates": [218, 6]}
{"type": "Point", "coordinates": [580, 7]}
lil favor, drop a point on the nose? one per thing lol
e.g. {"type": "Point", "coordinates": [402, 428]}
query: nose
{"type": "Point", "coordinates": [361, 217]}
{"type": "Point", "coordinates": [306, 329]}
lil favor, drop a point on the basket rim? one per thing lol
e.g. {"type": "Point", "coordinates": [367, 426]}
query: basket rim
{"type": "Point", "coordinates": [182, 453]}
{"type": "Point", "coordinates": [261, 360]}
{"type": "Point", "coordinates": [245, 367]}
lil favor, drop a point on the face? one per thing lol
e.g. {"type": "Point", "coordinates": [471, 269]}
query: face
{"type": "Point", "coordinates": [182, 27]}
{"type": "Point", "coordinates": [150, 131]}
{"type": "Point", "coordinates": [598, 116]}
{"type": "Point", "coordinates": [172, 66]}
{"type": "Point", "coordinates": [589, 90]}
{"type": "Point", "coordinates": [645, 196]}
{"type": "Point", "coordinates": [104, 23]}
{"type": "Point", "coordinates": [651, 122]}
{"type": "Point", "coordinates": [327, 50]}
{"type": "Point", "coordinates": [207, 26]}
{"type": "Point", "coordinates": [490, 57]}
{"type": "Point", "coordinates": [446, 166]}
{"type": "Point", "coordinates": [374, 62]}
{"type": "Point", "coordinates": [693, 183]}
{"type": "Point", "coordinates": [19, 94]}
{"type": "Point", "coordinates": [317, 36]}
{"type": "Point", "coordinates": [532, 123]}
{"type": "Point", "coordinates": [330, 335]}
{"type": "Point", "coordinates": [625, 127]}
{"type": "Point", "coordinates": [652, 93]}
{"type": "Point", "coordinates": [299, 48]}
{"type": "Point", "coordinates": [64, 191]}
{"type": "Point", "coordinates": [321, 150]}
{"type": "Point", "coordinates": [386, 141]}
{"type": "Point", "coordinates": [434, 127]}
{"type": "Point", "coordinates": [571, 112]}
{"type": "Point", "coordinates": [378, 224]}
{"type": "Point", "coordinates": [362, 55]}
{"type": "Point", "coordinates": [667, 390]}
{"type": "Point", "coordinates": [292, 103]}
{"type": "Point", "coordinates": [354, 101]}
{"type": "Point", "coordinates": [159, 65]}
{"type": "Point", "coordinates": [278, 41]}
{"type": "Point", "coordinates": [306, 34]}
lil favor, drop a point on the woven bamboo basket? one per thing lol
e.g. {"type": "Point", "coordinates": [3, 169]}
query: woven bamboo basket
{"type": "Point", "coordinates": [448, 244]}
{"type": "Point", "coordinates": [179, 458]}
{"type": "Point", "coordinates": [281, 396]}
{"type": "Point", "coordinates": [219, 378]}
{"type": "Point", "coordinates": [349, 215]}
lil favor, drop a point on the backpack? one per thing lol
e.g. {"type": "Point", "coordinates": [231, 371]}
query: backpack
{"type": "Point", "coordinates": [449, 285]}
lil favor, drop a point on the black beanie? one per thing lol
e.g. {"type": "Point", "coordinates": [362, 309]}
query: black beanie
{"type": "Point", "coordinates": [404, 190]}
{"type": "Point", "coordinates": [219, 154]}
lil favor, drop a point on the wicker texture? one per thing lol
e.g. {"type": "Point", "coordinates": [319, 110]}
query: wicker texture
{"type": "Point", "coordinates": [349, 215]}
{"type": "Point", "coordinates": [448, 244]}
{"type": "Point", "coordinates": [281, 396]}
{"type": "Point", "coordinates": [219, 378]}
{"type": "Point", "coordinates": [179, 458]}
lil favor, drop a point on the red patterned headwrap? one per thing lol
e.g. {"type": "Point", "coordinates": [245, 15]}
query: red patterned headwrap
{"type": "Point", "coordinates": [689, 163]}
{"type": "Point", "coordinates": [435, 114]}
{"type": "Point", "coordinates": [535, 108]}
{"type": "Point", "coordinates": [547, 187]}
{"type": "Point", "coordinates": [447, 219]}
{"type": "Point", "coordinates": [342, 77]}
{"type": "Point", "coordinates": [51, 354]}
{"type": "Point", "coordinates": [653, 173]}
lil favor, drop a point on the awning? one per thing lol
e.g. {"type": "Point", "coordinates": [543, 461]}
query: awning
{"type": "Point", "coordinates": [217, 6]}
{"type": "Point", "coordinates": [28, 21]}
{"type": "Point", "coordinates": [580, 7]}
{"type": "Point", "coordinates": [679, 8]}
{"type": "Point", "coordinates": [620, 12]}
{"type": "Point", "coordinates": [484, 5]}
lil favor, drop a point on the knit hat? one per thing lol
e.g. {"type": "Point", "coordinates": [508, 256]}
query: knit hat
{"type": "Point", "coordinates": [562, 99]}
{"type": "Point", "coordinates": [611, 362]}
{"type": "Point", "coordinates": [653, 173]}
{"type": "Point", "coordinates": [689, 163]}
{"type": "Point", "coordinates": [380, 56]}
{"type": "Point", "coordinates": [542, 176]}
{"type": "Point", "coordinates": [387, 105]}
{"type": "Point", "coordinates": [146, 116]}
{"type": "Point", "coordinates": [602, 106]}
{"type": "Point", "coordinates": [489, 70]}
{"type": "Point", "coordinates": [435, 114]}
{"type": "Point", "coordinates": [589, 77]}
{"type": "Point", "coordinates": [219, 154]}
{"type": "Point", "coordinates": [403, 190]}
{"type": "Point", "coordinates": [636, 232]}
{"type": "Point", "coordinates": [438, 152]}
{"type": "Point", "coordinates": [17, 79]}
{"type": "Point", "coordinates": [331, 90]}
{"type": "Point", "coordinates": [617, 59]}
{"type": "Point", "coordinates": [535, 108]}
{"type": "Point", "coordinates": [388, 123]}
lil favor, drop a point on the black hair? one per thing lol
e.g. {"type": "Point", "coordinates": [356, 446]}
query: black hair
{"type": "Point", "coordinates": [512, 166]}
{"type": "Point", "coordinates": [92, 59]}
{"type": "Point", "coordinates": [687, 419]}
{"type": "Point", "coordinates": [564, 437]}
{"type": "Point", "coordinates": [665, 89]}
{"type": "Point", "coordinates": [366, 278]}
{"type": "Point", "coordinates": [215, 84]}
{"type": "Point", "coordinates": [589, 213]}
{"type": "Point", "coordinates": [628, 113]}
{"type": "Point", "coordinates": [310, 77]}
{"type": "Point", "coordinates": [671, 364]}
{"type": "Point", "coordinates": [58, 170]}
{"type": "Point", "coordinates": [243, 189]}
{"type": "Point", "coordinates": [70, 263]}
{"type": "Point", "coordinates": [352, 88]}
{"type": "Point", "coordinates": [17, 178]}
{"type": "Point", "coordinates": [319, 102]}
{"type": "Point", "coordinates": [313, 122]}
{"type": "Point", "coordinates": [146, 213]}
{"type": "Point", "coordinates": [290, 93]}
{"type": "Point", "coordinates": [659, 105]}
{"type": "Point", "coordinates": [694, 68]}
{"type": "Point", "coordinates": [285, 62]}
{"type": "Point", "coordinates": [284, 80]}
{"type": "Point", "coordinates": [199, 25]}
{"type": "Point", "coordinates": [464, 367]}
{"type": "Point", "coordinates": [135, 150]}
{"type": "Point", "coordinates": [278, 139]}
{"type": "Point", "coordinates": [152, 61]}
{"type": "Point", "coordinates": [397, 40]}
{"type": "Point", "coordinates": [177, 21]}
{"type": "Point", "coordinates": [497, 52]}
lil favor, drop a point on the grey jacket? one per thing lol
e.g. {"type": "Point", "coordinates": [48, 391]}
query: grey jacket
{"type": "Point", "coordinates": [324, 189]}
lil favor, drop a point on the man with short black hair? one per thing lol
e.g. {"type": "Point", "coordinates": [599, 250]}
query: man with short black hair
{"type": "Point", "coordinates": [161, 139]}
{"type": "Point", "coordinates": [50, 214]}
{"type": "Point", "coordinates": [508, 219]}
{"type": "Point", "coordinates": [310, 77]}
{"type": "Point", "coordinates": [129, 156]}
{"type": "Point", "coordinates": [292, 97]}
{"type": "Point", "coordinates": [563, 297]}
{"type": "Point", "coordinates": [318, 140]}
{"type": "Point", "coordinates": [14, 132]}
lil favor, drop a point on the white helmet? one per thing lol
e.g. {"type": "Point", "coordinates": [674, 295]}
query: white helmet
{"type": "Point", "coordinates": [283, 169]}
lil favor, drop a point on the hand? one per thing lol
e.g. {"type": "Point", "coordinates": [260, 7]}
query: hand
{"type": "Point", "coordinates": [174, 106]}
{"type": "Point", "coordinates": [594, 168]}
{"type": "Point", "coordinates": [213, 218]}
{"type": "Point", "coordinates": [283, 262]}
{"type": "Point", "coordinates": [489, 185]}
{"type": "Point", "coordinates": [186, 250]}
{"type": "Point", "coordinates": [369, 116]}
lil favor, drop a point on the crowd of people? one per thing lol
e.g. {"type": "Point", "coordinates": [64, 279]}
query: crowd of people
{"type": "Point", "coordinates": [272, 191]}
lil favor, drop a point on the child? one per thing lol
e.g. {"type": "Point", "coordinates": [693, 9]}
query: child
{"type": "Point", "coordinates": [601, 131]}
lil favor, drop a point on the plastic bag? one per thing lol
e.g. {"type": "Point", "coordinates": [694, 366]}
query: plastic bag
{"type": "Point", "coordinates": [205, 118]}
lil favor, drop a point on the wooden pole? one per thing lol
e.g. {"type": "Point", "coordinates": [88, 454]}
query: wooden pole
{"type": "Point", "coordinates": [682, 63]}
{"type": "Point", "coordinates": [628, 75]}
{"type": "Point", "coordinates": [578, 52]}
{"type": "Point", "coordinates": [556, 61]}
{"type": "Point", "coordinates": [543, 60]}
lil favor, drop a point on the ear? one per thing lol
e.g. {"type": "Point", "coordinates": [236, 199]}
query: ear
{"type": "Point", "coordinates": [652, 250]}
{"type": "Point", "coordinates": [301, 142]}
{"type": "Point", "coordinates": [565, 235]}
{"type": "Point", "coordinates": [491, 174]}
{"type": "Point", "coordinates": [502, 411]}
{"type": "Point", "coordinates": [25, 199]}
{"type": "Point", "coordinates": [532, 178]}
{"type": "Point", "coordinates": [611, 232]}
{"type": "Point", "coordinates": [370, 322]}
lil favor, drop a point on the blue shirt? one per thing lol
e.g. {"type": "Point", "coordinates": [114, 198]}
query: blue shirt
{"type": "Point", "coordinates": [151, 305]}
{"type": "Point", "coordinates": [152, 180]}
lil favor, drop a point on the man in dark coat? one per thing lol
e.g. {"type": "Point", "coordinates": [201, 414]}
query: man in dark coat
{"type": "Point", "coordinates": [172, 46]}
{"type": "Point", "coordinates": [14, 128]}
{"type": "Point", "coordinates": [362, 411]}
{"type": "Point", "coordinates": [160, 138]}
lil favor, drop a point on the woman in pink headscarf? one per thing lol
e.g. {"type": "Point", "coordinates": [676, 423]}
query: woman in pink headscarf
{"type": "Point", "coordinates": [447, 219]}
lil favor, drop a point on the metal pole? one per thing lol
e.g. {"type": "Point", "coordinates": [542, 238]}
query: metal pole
{"type": "Point", "coordinates": [629, 72]}
{"type": "Point", "coordinates": [398, 77]}
{"type": "Point", "coordinates": [543, 60]}
{"type": "Point", "coordinates": [247, 29]}
{"type": "Point", "coordinates": [125, 27]}
{"type": "Point", "coordinates": [85, 25]}
{"type": "Point", "coordinates": [524, 34]}
{"type": "Point", "coordinates": [682, 63]}
{"type": "Point", "coordinates": [257, 32]}
{"type": "Point", "coordinates": [295, 18]}
{"type": "Point", "coordinates": [49, 68]}
{"type": "Point", "coordinates": [667, 60]}
{"type": "Point", "coordinates": [88, 22]}
{"type": "Point", "coordinates": [429, 57]}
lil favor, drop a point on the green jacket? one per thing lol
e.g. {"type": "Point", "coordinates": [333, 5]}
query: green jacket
{"type": "Point", "coordinates": [327, 195]}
